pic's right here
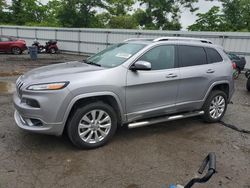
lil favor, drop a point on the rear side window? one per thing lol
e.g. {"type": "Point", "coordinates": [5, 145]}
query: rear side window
{"type": "Point", "coordinates": [4, 39]}
{"type": "Point", "coordinates": [191, 56]}
{"type": "Point", "coordinates": [213, 56]}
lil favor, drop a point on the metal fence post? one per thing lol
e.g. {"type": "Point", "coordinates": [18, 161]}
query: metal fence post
{"type": "Point", "coordinates": [56, 34]}
{"type": "Point", "coordinates": [36, 34]}
{"type": "Point", "coordinates": [79, 41]}
{"type": "Point", "coordinates": [17, 33]}
{"type": "Point", "coordinates": [107, 38]}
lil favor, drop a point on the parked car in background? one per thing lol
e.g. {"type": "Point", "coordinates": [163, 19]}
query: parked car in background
{"type": "Point", "coordinates": [248, 79]}
{"type": "Point", "coordinates": [12, 45]}
{"type": "Point", "coordinates": [240, 63]}
{"type": "Point", "coordinates": [134, 83]}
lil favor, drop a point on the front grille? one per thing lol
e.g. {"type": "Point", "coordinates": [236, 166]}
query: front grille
{"type": "Point", "coordinates": [19, 88]}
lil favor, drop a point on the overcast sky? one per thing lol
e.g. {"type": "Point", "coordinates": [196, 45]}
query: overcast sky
{"type": "Point", "coordinates": [186, 18]}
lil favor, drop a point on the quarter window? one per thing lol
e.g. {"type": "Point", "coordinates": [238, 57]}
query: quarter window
{"type": "Point", "coordinates": [161, 57]}
{"type": "Point", "coordinates": [191, 56]}
{"type": "Point", "coordinates": [213, 56]}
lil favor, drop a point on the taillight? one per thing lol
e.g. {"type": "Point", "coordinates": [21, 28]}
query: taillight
{"type": "Point", "coordinates": [234, 65]}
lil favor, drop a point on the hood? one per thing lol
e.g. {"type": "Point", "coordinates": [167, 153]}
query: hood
{"type": "Point", "coordinates": [61, 69]}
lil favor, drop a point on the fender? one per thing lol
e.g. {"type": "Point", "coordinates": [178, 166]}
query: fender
{"type": "Point", "coordinates": [215, 84]}
{"type": "Point", "coordinates": [95, 94]}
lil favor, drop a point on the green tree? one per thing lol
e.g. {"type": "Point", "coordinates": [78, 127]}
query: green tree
{"type": "Point", "coordinates": [119, 7]}
{"type": "Point", "coordinates": [236, 15]}
{"type": "Point", "coordinates": [79, 13]}
{"type": "Point", "coordinates": [123, 22]}
{"type": "Point", "coordinates": [3, 13]}
{"type": "Point", "coordinates": [233, 14]}
{"type": "Point", "coordinates": [118, 14]}
{"type": "Point", "coordinates": [213, 20]}
{"type": "Point", "coordinates": [245, 4]}
{"type": "Point", "coordinates": [53, 8]}
{"type": "Point", "coordinates": [162, 14]}
{"type": "Point", "coordinates": [25, 11]}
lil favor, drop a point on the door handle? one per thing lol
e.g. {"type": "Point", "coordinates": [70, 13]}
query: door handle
{"type": "Point", "coordinates": [171, 75]}
{"type": "Point", "coordinates": [210, 71]}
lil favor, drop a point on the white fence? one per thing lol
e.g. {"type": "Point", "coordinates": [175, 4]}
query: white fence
{"type": "Point", "coordinates": [90, 41]}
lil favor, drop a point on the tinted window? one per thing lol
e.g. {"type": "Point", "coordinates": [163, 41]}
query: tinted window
{"type": "Point", "coordinates": [233, 56]}
{"type": "Point", "coordinates": [191, 56]}
{"type": "Point", "coordinates": [161, 57]}
{"type": "Point", "coordinates": [213, 56]}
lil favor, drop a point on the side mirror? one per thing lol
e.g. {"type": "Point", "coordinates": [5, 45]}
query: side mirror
{"type": "Point", "coordinates": [141, 65]}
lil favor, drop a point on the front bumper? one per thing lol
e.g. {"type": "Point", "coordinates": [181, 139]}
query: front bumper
{"type": "Point", "coordinates": [47, 117]}
{"type": "Point", "coordinates": [26, 124]}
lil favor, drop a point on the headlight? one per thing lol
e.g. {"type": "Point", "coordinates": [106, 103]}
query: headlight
{"type": "Point", "coordinates": [48, 86]}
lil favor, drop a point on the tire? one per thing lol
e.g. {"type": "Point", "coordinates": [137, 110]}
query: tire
{"type": "Point", "coordinates": [52, 50]}
{"type": "Point", "coordinates": [236, 73]}
{"type": "Point", "coordinates": [220, 107]}
{"type": "Point", "coordinates": [248, 84]}
{"type": "Point", "coordinates": [16, 51]}
{"type": "Point", "coordinates": [247, 74]}
{"type": "Point", "coordinates": [80, 123]}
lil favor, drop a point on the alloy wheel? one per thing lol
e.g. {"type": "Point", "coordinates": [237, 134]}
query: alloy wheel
{"type": "Point", "coordinates": [217, 107]}
{"type": "Point", "coordinates": [94, 126]}
{"type": "Point", "coordinates": [16, 50]}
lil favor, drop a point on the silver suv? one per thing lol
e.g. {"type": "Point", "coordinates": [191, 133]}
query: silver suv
{"type": "Point", "coordinates": [134, 83]}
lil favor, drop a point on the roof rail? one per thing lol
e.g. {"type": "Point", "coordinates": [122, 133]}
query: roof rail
{"type": "Point", "coordinates": [183, 39]}
{"type": "Point", "coordinates": [140, 39]}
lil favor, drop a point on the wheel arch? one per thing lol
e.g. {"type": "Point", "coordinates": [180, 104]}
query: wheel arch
{"type": "Point", "coordinates": [15, 46]}
{"type": "Point", "coordinates": [106, 97]}
{"type": "Point", "coordinates": [222, 86]}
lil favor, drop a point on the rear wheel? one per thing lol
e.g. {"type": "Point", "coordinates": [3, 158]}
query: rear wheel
{"type": "Point", "coordinates": [248, 84]}
{"type": "Point", "coordinates": [52, 50]}
{"type": "Point", "coordinates": [215, 106]}
{"type": "Point", "coordinates": [16, 50]}
{"type": "Point", "coordinates": [92, 125]}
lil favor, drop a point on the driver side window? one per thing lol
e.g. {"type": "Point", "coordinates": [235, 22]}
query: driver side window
{"type": "Point", "coordinates": [160, 57]}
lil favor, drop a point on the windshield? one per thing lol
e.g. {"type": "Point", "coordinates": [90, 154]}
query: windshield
{"type": "Point", "coordinates": [115, 55]}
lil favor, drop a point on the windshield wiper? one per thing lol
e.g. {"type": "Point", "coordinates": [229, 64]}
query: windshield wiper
{"type": "Point", "coordinates": [91, 63]}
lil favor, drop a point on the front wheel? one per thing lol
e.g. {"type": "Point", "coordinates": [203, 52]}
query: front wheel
{"type": "Point", "coordinates": [215, 106]}
{"type": "Point", "coordinates": [92, 125]}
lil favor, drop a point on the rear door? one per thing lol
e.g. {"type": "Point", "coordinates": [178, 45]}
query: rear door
{"type": "Point", "coordinates": [196, 77]}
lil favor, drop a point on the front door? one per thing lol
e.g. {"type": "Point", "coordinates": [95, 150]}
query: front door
{"type": "Point", "coordinates": [153, 93]}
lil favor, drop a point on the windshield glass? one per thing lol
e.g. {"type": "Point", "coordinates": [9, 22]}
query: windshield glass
{"type": "Point", "coordinates": [115, 55]}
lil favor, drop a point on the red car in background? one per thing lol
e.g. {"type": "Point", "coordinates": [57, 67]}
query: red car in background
{"type": "Point", "coordinates": [12, 45]}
